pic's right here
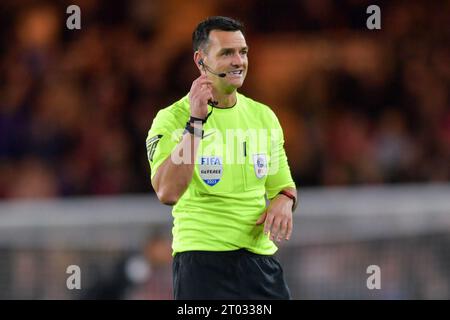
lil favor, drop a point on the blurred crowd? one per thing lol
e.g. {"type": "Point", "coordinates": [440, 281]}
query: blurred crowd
{"type": "Point", "coordinates": [357, 106]}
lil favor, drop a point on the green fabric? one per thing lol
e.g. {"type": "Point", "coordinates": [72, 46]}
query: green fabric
{"type": "Point", "coordinates": [218, 211]}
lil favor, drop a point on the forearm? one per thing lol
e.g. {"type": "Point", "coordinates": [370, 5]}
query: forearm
{"type": "Point", "coordinates": [175, 173]}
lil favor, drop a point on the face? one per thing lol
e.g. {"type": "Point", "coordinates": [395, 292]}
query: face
{"type": "Point", "coordinates": [226, 52]}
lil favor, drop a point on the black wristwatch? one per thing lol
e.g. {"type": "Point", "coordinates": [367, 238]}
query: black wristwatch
{"type": "Point", "coordinates": [195, 119]}
{"type": "Point", "coordinates": [192, 130]}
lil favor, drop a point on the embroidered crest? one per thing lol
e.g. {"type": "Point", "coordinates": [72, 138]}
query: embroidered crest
{"type": "Point", "coordinates": [211, 169]}
{"type": "Point", "coordinates": [260, 165]}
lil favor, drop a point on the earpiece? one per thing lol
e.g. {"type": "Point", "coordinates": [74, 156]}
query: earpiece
{"type": "Point", "coordinates": [206, 68]}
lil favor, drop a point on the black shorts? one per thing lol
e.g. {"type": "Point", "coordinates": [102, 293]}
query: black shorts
{"type": "Point", "coordinates": [227, 275]}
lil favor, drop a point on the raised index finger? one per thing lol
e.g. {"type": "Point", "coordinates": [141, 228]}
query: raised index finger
{"type": "Point", "coordinates": [200, 81]}
{"type": "Point", "coordinates": [204, 81]}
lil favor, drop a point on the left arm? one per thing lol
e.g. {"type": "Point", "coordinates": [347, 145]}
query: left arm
{"type": "Point", "coordinates": [277, 218]}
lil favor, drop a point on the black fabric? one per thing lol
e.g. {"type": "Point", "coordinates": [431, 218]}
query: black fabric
{"type": "Point", "coordinates": [228, 275]}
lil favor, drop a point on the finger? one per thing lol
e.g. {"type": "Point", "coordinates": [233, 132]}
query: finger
{"type": "Point", "coordinates": [203, 87]}
{"type": "Point", "coordinates": [206, 95]}
{"type": "Point", "coordinates": [289, 229]}
{"type": "Point", "coordinates": [268, 224]}
{"type": "Point", "coordinates": [262, 218]}
{"type": "Point", "coordinates": [202, 76]}
{"type": "Point", "coordinates": [275, 229]}
{"type": "Point", "coordinates": [205, 84]}
{"type": "Point", "coordinates": [204, 81]}
{"type": "Point", "coordinates": [206, 88]}
{"type": "Point", "coordinates": [283, 230]}
{"type": "Point", "coordinates": [200, 81]}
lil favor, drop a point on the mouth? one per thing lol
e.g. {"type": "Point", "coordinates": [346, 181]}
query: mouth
{"type": "Point", "coordinates": [236, 73]}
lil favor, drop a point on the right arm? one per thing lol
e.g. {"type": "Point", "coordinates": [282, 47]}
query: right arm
{"type": "Point", "coordinates": [172, 178]}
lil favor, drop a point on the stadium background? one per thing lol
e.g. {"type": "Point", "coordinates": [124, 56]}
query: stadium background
{"type": "Point", "coordinates": [366, 116]}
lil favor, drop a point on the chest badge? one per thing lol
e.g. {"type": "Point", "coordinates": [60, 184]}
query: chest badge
{"type": "Point", "coordinates": [260, 165]}
{"type": "Point", "coordinates": [211, 169]}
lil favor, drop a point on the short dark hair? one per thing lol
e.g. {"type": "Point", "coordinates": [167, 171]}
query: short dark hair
{"type": "Point", "coordinates": [200, 36]}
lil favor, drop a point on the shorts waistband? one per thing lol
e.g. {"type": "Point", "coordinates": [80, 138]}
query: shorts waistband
{"type": "Point", "coordinates": [238, 252]}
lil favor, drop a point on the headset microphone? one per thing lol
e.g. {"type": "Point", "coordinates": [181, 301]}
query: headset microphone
{"type": "Point", "coordinates": [205, 67]}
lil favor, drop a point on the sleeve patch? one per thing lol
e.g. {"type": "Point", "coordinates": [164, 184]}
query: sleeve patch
{"type": "Point", "coordinates": [151, 146]}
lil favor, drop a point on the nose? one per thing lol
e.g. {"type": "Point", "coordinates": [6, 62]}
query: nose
{"type": "Point", "coordinates": [237, 61]}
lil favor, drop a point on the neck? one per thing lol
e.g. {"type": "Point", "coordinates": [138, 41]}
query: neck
{"type": "Point", "coordinates": [226, 100]}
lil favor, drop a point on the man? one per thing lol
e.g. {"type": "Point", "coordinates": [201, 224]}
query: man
{"type": "Point", "coordinates": [214, 155]}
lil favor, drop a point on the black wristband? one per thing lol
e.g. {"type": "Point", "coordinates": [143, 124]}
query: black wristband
{"type": "Point", "coordinates": [192, 130]}
{"type": "Point", "coordinates": [195, 119]}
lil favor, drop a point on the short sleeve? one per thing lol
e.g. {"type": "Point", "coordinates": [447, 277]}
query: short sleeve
{"type": "Point", "coordinates": [162, 138]}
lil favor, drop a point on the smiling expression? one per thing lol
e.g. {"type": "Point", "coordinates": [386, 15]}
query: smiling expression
{"type": "Point", "coordinates": [226, 51]}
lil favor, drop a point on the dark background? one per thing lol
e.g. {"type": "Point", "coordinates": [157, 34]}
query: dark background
{"type": "Point", "coordinates": [357, 106]}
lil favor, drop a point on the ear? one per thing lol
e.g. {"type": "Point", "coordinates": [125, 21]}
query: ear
{"type": "Point", "coordinates": [198, 60]}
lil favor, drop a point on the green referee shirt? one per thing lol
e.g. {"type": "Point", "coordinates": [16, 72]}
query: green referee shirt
{"type": "Point", "coordinates": [240, 160]}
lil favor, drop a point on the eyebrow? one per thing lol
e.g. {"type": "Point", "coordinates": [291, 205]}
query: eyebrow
{"type": "Point", "coordinates": [232, 49]}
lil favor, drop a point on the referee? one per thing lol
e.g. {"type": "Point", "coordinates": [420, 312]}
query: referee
{"type": "Point", "coordinates": [215, 155]}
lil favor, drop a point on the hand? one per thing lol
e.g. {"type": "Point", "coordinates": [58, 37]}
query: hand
{"type": "Point", "coordinates": [277, 218]}
{"type": "Point", "coordinates": [200, 93]}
